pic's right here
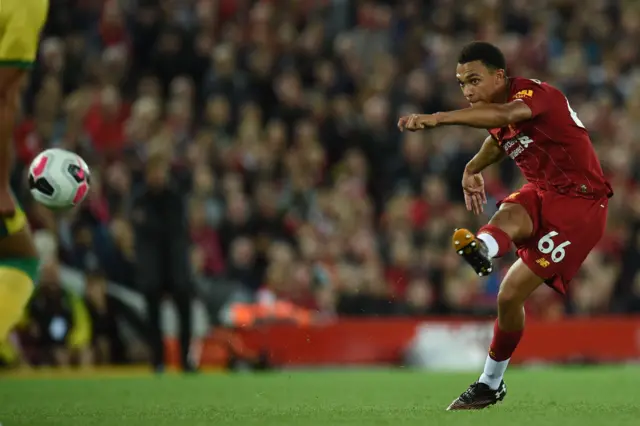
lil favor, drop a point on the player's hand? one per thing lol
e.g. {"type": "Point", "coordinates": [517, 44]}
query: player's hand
{"type": "Point", "coordinates": [7, 204]}
{"type": "Point", "coordinates": [474, 195]}
{"type": "Point", "coordinates": [415, 122]}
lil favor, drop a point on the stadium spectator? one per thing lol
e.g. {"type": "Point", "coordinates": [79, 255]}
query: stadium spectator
{"type": "Point", "coordinates": [57, 329]}
{"type": "Point", "coordinates": [106, 341]}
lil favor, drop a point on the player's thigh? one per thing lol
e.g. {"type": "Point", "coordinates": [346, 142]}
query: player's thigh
{"type": "Point", "coordinates": [570, 228]}
{"type": "Point", "coordinates": [17, 247]}
{"type": "Point", "coordinates": [16, 288]}
{"type": "Point", "coordinates": [518, 284]}
{"type": "Point", "coordinates": [518, 214]}
{"type": "Point", "coordinates": [22, 21]}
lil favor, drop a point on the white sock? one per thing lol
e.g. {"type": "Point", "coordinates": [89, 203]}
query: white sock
{"type": "Point", "coordinates": [492, 244]}
{"type": "Point", "coordinates": [493, 372]}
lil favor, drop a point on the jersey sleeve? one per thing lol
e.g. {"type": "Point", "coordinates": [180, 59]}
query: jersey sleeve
{"type": "Point", "coordinates": [535, 95]}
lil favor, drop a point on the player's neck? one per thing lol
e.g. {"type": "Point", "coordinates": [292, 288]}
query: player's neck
{"type": "Point", "coordinates": [503, 94]}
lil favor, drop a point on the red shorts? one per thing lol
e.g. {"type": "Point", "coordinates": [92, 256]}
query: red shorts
{"type": "Point", "coordinates": [565, 230]}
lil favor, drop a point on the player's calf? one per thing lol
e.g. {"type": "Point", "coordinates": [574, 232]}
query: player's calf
{"type": "Point", "coordinates": [508, 329]}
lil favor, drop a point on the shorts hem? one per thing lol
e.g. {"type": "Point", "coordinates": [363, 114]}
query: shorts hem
{"type": "Point", "coordinates": [554, 281]}
{"type": "Point", "coordinates": [556, 284]}
{"type": "Point", "coordinates": [28, 265]}
{"type": "Point", "coordinates": [16, 64]}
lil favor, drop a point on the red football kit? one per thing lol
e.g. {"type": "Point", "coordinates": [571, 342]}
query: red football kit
{"type": "Point", "coordinates": [567, 194]}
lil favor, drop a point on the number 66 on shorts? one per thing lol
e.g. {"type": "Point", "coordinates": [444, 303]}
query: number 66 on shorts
{"type": "Point", "coordinates": [565, 230]}
{"type": "Point", "coordinates": [546, 245]}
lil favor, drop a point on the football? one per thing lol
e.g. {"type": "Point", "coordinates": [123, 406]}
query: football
{"type": "Point", "coordinates": [59, 179]}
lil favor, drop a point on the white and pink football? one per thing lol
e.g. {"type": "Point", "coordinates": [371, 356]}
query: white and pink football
{"type": "Point", "coordinates": [59, 179]}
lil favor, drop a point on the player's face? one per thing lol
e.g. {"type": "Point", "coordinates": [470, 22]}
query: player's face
{"type": "Point", "coordinates": [478, 83]}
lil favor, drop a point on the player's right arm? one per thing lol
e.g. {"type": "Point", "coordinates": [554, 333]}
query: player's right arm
{"type": "Point", "coordinates": [490, 153]}
{"type": "Point", "coordinates": [472, 181]}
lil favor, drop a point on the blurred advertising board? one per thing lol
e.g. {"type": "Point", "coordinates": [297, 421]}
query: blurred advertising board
{"type": "Point", "coordinates": [438, 344]}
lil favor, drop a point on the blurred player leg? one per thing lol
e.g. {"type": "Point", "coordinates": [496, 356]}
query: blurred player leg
{"type": "Point", "coordinates": [20, 25]}
{"type": "Point", "coordinates": [10, 85]}
{"type": "Point", "coordinates": [15, 290]}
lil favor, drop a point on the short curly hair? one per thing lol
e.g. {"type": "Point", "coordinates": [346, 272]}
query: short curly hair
{"type": "Point", "coordinates": [484, 52]}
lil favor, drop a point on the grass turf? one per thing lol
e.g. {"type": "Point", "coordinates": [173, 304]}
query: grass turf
{"type": "Point", "coordinates": [567, 397]}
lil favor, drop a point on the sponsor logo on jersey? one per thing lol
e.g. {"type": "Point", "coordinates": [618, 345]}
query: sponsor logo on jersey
{"type": "Point", "coordinates": [523, 94]}
{"type": "Point", "coordinates": [543, 262]}
{"type": "Point", "coordinates": [519, 144]}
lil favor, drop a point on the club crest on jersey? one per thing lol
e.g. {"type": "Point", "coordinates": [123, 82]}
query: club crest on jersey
{"type": "Point", "coordinates": [524, 94]}
{"type": "Point", "coordinates": [515, 146]}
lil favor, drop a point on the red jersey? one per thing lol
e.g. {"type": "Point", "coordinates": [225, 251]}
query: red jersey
{"type": "Point", "coordinates": [552, 149]}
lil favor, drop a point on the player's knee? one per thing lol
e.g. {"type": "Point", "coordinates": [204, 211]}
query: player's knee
{"type": "Point", "coordinates": [517, 286]}
{"type": "Point", "coordinates": [510, 298]}
{"type": "Point", "coordinates": [11, 81]}
{"type": "Point", "coordinates": [507, 299]}
{"type": "Point", "coordinates": [514, 220]}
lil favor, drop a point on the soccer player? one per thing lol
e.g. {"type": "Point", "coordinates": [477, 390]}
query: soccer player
{"type": "Point", "coordinates": [20, 24]}
{"type": "Point", "coordinates": [554, 220]}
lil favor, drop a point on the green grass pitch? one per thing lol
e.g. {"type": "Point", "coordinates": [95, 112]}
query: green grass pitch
{"type": "Point", "coordinates": [567, 397]}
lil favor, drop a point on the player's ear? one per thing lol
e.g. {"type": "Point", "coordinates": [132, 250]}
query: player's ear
{"type": "Point", "coordinates": [501, 74]}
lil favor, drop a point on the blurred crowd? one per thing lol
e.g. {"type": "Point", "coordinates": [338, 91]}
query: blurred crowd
{"type": "Point", "coordinates": [277, 121]}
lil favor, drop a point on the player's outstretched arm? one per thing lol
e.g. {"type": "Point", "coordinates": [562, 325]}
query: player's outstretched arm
{"type": "Point", "coordinates": [485, 116]}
